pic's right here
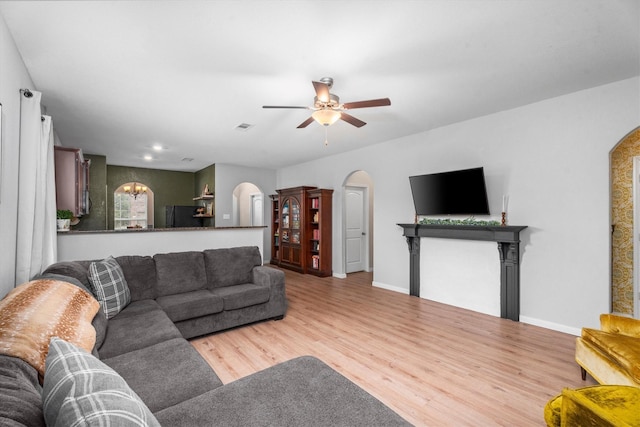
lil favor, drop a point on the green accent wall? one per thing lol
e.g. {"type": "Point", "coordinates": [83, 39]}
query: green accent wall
{"type": "Point", "coordinates": [206, 176]}
{"type": "Point", "coordinates": [169, 188]}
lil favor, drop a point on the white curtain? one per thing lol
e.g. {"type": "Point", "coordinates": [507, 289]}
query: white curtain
{"type": "Point", "coordinates": [37, 240]}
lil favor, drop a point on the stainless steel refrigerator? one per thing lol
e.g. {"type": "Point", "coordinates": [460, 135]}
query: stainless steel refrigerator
{"type": "Point", "coordinates": [182, 216]}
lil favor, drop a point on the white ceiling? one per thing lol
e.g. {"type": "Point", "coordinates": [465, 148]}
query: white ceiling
{"type": "Point", "coordinates": [119, 76]}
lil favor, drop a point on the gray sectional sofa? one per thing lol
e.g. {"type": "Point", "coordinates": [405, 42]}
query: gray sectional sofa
{"type": "Point", "coordinates": [183, 295]}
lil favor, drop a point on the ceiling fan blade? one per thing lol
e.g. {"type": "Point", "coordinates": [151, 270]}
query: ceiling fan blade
{"type": "Point", "coordinates": [370, 103]}
{"type": "Point", "coordinates": [284, 106]}
{"type": "Point", "coordinates": [351, 120]}
{"type": "Point", "coordinates": [322, 91]}
{"type": "Point", "coordinates": [305, 123]}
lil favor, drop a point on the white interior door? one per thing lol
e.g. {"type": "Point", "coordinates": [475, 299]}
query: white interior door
{"type": "Point", "coordinates": [355, 229]}
{"type": "Point", "coordinates": [256, 210]}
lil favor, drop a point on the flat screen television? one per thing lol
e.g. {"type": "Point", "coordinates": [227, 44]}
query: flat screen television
{"type": "Point", "coordinates": [460, 192]}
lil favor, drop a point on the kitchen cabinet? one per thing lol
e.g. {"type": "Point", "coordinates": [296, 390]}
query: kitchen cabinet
{"type": "Point", "coordinates": [72, 180]}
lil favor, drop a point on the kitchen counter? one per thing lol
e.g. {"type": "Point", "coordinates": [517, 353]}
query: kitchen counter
{"type": "Point", "coordinates": [152, 230]}
{"type": "Point", "coordinates": [99, 244]}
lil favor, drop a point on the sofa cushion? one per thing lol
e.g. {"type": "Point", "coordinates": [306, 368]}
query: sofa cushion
{"type": "Point", "coordinates": [301, 392]}
{"type": "Point", "coordinates": [231, 266]}
{"type": "Point", "coordinates": [140, 273]}
{"type": "Point", "coordinates": [141, 324]}
{"type": "Point", "coordinates": [624, 350]}
{"type": "Point", "coordinates": [192, 304]}
{"type": "Point", "coordinates": [20, 394]}
{"type": "Point", "coordinates": [165, 373]}
{"type": "Point", "coordinates": [109, 286]}
{"type": "Point", "coordinates": [179, 272]}
{"type": "Point", "coordinates": [79, 389]}
{"type": "Point", "coordinates": [136, 308]}
{"type": "Point", "coordinates": [241, 296]}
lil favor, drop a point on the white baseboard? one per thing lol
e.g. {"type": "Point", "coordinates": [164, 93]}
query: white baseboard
{"type": "Point", "coordinates": [340, 275]}
{"type": "Point", "coordinates": [550, 325]}
{"type": "Point", "coordinates": [390, 288]}
{"type": "Point", "coordinates": [524, 319]}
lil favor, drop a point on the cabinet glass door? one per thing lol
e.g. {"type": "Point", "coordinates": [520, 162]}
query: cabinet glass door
{"type": "Point", "coordinates": [285, 221]}
{"type": "Point", "coordinates": [295, 222]}
{"type": "Point", "coordinates": [290, 231]}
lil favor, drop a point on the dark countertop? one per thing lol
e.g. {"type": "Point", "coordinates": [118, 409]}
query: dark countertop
{"type": "Point", "coordinates": [154, 230]}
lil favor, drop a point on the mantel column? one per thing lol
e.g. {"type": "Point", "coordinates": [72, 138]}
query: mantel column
{"type": "Point", "coordinates": [509, 280]}
{"type": "Point", "coordinates": [414, 265]}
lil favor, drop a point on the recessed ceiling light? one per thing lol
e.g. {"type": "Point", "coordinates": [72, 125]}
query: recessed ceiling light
{"type": "Point", "coordinates": [148, 157]}
{"type": "Point", "coordinates": [243, 127]}
{"type": "Point", "coordinates": [157, 147]}
{"type": "Point", "coordinates": [187, 159]}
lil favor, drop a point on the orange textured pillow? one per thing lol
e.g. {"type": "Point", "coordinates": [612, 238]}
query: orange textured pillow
{"type": "Point", "coordinates": [34, 312]}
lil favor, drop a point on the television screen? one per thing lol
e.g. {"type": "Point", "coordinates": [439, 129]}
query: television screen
{"type": "Point", "coordinates": [461, 192]}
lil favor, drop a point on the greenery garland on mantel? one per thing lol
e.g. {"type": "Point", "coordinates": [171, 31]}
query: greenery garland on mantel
{"type": "Point", "coordinates": [466, 221]}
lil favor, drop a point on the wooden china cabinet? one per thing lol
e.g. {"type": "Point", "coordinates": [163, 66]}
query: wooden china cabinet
{"type": "Point", "coordinates": [301, 230]}
{"type": "Point", "coordinates": [318, 249]}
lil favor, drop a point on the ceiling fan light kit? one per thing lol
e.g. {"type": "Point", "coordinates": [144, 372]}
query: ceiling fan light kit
{"type": "Point", "coordinates": [327, 108]}
{"type": "Point", "coordinates": [326, 116]}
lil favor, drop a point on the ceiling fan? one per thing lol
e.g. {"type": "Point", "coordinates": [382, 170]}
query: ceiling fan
{"type": "Point", "coordinates": [327, 108]}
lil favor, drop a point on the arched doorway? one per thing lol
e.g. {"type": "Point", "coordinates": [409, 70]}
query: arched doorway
{"type": "Point", "coordinates": [624, 226]}
{"type": "Point", "coordinates": [132, 206]}
{"type": "Point", "coordinates": [358, 222]}
{"type": "Point", "coordinates": [248, 205]}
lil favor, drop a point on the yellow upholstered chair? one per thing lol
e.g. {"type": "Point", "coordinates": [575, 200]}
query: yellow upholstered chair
{"type": "Point", "coordinates": [611, 355]}
{"type": "Point", "coordinates": [600, 405]}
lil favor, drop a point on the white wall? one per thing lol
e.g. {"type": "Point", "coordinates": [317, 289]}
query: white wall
{"type": "Point", "coordinates": [227, 178]}
{"type": "Point", "coordinates": [89, 246]}
{"type": "Point", "coordinates": [13, 77]}
{"type": "Point", "coordinates": [551, 158]}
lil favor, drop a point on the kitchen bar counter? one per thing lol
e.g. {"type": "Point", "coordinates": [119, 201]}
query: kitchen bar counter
{"type": "Point", "coordinates": [99, 244]}
{"type": "Point", "coordinates": [151, 230]}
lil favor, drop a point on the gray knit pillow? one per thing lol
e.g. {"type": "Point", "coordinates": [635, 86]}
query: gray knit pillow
{"type": "Point", "coordinates": [79, 389]}
{"type": "Point", "coordinates": [109, 286]}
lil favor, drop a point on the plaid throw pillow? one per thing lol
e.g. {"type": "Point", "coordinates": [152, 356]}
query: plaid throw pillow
{"type": "Point", "coordinates": [79, 389]}
{"type": "Point", "coordinates": [109, 286]}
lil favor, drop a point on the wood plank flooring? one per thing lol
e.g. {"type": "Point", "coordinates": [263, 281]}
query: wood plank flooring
{"type": "Point", "coordinates": [434, 364]}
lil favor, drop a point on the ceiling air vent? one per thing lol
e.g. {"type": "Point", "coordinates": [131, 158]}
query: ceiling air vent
{"type": "Point", "coordinates": [243, 127]}
{"type": "Point", "coordinates": [187, 159]}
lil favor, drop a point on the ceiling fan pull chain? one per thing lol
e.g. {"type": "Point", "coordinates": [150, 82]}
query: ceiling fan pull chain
{"type": "Point", "coordinates": [326, 136]}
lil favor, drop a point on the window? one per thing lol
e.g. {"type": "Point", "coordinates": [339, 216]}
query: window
{"type": "Point", "coordinates": [132, 212]}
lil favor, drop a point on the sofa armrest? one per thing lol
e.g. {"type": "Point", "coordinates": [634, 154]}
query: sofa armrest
{"type": "Point", "coordinates": [602, 405]}
{"type": "Point", "coordinates": [620, 325]}
{"type": "Point", "coordinates": [267, 276]}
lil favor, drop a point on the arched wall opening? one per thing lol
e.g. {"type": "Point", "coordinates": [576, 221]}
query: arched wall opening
{"type": "Point", "coordinates": [248, 205]}
{"type": "Point", "coordinates": [133, 206]}
{"type": "Point", "coordinates": [625, 209]}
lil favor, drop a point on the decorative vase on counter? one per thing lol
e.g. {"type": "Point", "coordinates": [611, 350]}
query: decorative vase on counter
{"type": "Point", "coordinates": [63, 224]}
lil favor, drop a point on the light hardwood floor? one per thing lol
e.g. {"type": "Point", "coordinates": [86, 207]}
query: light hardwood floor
{"type": "Point", "coordinates": [434, 364]}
